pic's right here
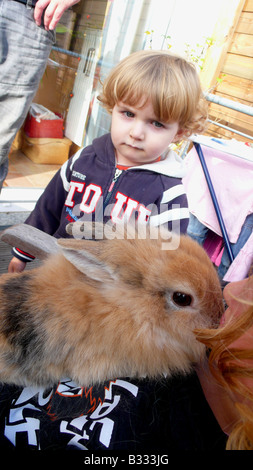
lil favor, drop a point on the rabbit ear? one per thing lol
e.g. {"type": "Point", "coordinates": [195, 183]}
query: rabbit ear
{"type": "Point", "coordinates": [84, 255]}
{"type": "Point", "coordinates": [86, 230]}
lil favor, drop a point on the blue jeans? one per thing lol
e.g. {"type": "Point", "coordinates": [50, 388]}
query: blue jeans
{"type": "Point", "coordinates": [245, 233]}
{"type": "Point", "coordinates": [198, 232]}
{"type": "Point", "coordinates": [24, 50]}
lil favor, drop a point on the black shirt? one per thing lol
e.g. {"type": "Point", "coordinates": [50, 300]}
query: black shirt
{"type": "Point", "coordinates": [131, 415]}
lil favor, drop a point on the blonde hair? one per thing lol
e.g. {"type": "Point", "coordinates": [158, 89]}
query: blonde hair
{"type": "Point", "coordinates": [170, 82]}
{"type": "Point", "coordinates": [228, 367]}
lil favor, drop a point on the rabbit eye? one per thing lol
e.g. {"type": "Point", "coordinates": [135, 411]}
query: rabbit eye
{"type": "Point", "coordinates": [181, 299]}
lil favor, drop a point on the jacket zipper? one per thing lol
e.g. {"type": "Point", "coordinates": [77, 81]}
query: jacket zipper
{"type": "Point", "coordinates": [110, 190]}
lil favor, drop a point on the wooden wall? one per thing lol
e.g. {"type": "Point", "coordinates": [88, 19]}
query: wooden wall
{"type": "Point", "coordinates": [235, 76]}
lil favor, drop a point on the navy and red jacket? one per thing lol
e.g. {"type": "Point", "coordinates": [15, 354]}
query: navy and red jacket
{"type": "Point", "coordinates": [89, 186]}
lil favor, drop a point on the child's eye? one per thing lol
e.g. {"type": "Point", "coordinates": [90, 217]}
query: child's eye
{"type": "Point", "coordinates": [128, 114]}
{"type": "Point", "coordinates": [157, 124]}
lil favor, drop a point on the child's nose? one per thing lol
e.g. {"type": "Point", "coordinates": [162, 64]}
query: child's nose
{"type": "Point", "coordinates": [137, 130]}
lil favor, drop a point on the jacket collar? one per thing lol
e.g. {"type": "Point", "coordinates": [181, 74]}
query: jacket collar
{"type": "Point", "coordinates": [172, 166]}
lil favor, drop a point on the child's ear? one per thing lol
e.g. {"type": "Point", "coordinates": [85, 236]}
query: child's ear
{"type": "Point", "coordinates": [181, 133]}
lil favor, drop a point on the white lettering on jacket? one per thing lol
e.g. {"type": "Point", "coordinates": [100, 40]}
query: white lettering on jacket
{"type": "Point", "coordinates": [122, 209]}
{"type": "Point", "coordinates": [92, 192]}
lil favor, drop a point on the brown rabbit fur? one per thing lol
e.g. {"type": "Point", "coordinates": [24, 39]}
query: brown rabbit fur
{"type": "Point", "coordinates": [104, 309]}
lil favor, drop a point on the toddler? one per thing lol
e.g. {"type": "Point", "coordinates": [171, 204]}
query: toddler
{"type": "Point", "coordinates": [154, 99]}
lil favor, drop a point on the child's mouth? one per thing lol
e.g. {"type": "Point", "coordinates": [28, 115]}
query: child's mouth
{"type": "Point", "coordinates": [133, 147]}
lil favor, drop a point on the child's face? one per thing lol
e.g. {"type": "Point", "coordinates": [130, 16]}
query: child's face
{"type": "Point", "coordinates": [232, 294]}
{"type": "Point", "coordinates": [137, 136]}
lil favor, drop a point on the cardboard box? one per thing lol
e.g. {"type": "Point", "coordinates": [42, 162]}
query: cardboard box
{"type": "Point", "coordinates": [45, 150]}
{"type": "Point", "coordinates": [17, 143]}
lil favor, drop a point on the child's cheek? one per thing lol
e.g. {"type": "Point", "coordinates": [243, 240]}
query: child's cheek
{"type": "Point", "coordinates": [245, 342]}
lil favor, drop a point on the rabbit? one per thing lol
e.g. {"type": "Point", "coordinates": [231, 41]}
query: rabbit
{"type": "Point", "coordinates": [100, 310]}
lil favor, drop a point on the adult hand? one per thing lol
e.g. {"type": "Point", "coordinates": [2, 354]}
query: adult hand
{"type": "Point", "coordinates": [53, 11]}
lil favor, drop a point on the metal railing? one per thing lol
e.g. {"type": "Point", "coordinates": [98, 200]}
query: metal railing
{"type": "Point", "coordinates": [241, 108]}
